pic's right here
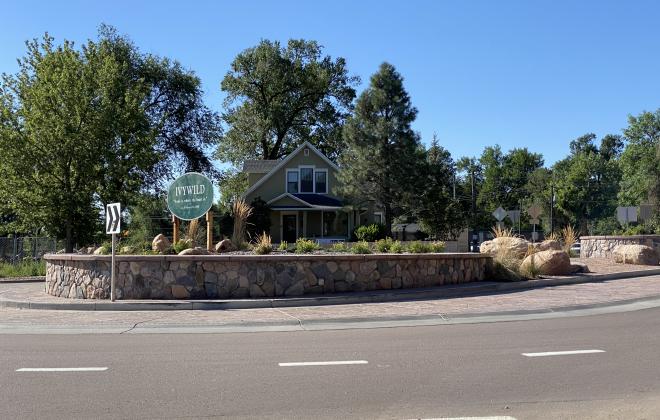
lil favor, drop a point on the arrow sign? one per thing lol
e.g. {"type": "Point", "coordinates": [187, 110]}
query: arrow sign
{"type": "Point", "coordinates": [113, 218]}
{"type": "Point", "coordinates": [499, 214]}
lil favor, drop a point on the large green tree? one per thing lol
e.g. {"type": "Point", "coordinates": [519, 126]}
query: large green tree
{"type": "Point", "coordinates": [278, 97]}
{"type": "Point", "coordinates": [81, 127]}
{"type": "Point", "coordinates": [439, 212]}
{"type": "Point", "coordinates": [383, 154]}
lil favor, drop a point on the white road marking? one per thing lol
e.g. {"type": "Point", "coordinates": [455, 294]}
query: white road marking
{"type": "Point", "coordinates": [73, 369]}
{"type": "Point", "coordinates": [562, 353]}
{"type": "Point", "coordinates": [332, 363]}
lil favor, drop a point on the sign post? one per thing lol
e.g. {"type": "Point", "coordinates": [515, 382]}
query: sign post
{"type": "Point", "coordinates": [113, 227]}
{"type": "Point", "coordinates": [534, 211]}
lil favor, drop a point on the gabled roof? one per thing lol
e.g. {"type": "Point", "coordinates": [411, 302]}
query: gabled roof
{"type": "Point", "coordinates": [284, 161]}
{"type": "Point", "coordinates": [314, 201]}
{"type": "Point", "coordinates": [259, 166]}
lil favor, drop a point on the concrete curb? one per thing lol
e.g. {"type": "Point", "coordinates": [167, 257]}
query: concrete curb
{"type": "Point", "coordinates": [470, 289]}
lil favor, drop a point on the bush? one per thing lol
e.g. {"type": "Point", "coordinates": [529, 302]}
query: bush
{"type": "Point", "coordinates": [370, 233]}
{"type": "Point", "coordinates": [361, 247]}
{"type": "Point", "coordinates": [419, 248]}
{"type": "Point", "coordinates": [306, 246]}
{"type": "Point", "coordinates": [106, 248]}
{"type": "Point", "coordinates": [437, 246]}
{"type": "Point", "coordinates": [384, 245]}
{"type": "Point", "coordinates": [182, 244]}
{"type": "Point", "coordinates": [397, 248]}
{"type": "Point", "coordinates": [284, 246]}
{"type": "Point", "coordinates": [339, 247]}
{"type": "Point", "coordinates": [263, 245]}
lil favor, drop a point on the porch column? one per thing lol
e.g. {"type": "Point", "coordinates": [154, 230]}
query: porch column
{"type": "Point", "coordinates": [322, 227]}
{"type": "Point", "coordinates": [304, 224]}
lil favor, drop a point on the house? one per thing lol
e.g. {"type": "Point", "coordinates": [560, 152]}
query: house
{"type": "Point", "coordinates": [300, 191]}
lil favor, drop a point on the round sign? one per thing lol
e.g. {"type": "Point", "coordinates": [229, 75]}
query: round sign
{"type": "Point", "coordinates": [190, 196]}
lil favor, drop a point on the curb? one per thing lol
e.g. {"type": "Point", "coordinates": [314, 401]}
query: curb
{"type": "Point", "coordinates": [442, 292]}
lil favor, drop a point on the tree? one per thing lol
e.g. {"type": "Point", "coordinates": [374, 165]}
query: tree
{"type": "Point", "coordinates": [83, 127]}
{"type": "Point", "coordinates": [438, 211]}
{"type": "Point", "coordinates": [279, 97]}
{"type": "Point", "coordinates": [383, 154]}
{"type": "Point", "coordinates": [640, 160]}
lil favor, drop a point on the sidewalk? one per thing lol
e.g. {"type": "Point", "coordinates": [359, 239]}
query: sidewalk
{"type": "Point", "coordinates": [463, 303]}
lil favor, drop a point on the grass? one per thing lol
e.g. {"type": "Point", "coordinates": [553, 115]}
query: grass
{"type": "Point", "coordinates": [242, 212]}
{"type": "Point", "coordinates": [340, 247]}
{"type": "Point", "coordinates": [397, 248]}
{"type": "Point", "coordinates": [26, 268]}
{"type": "Point", "coordinates": [263, 245]}
{"type": "Point", "coordinates": [383, 245]}
{"type": "Point", "coordinates": [570, 237]}
{"type": "Point", "coordinates": [181, 245]}
{"type": "Point", "coordinates": [502, 232]}
{"type": "Point", "coordinates": [284, 246]}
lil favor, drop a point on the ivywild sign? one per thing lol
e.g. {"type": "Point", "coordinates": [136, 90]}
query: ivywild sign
{"type": "Point", "coordinates": [190, 196]}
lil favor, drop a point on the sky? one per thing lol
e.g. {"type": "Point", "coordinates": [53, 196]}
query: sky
{"type": "Point", "coordinates": [533, 74]}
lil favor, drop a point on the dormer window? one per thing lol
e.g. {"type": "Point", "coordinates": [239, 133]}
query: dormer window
{"type": "Point", "coordinates": [307, 179]}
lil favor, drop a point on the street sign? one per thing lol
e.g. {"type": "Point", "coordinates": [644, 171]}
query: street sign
{"type": "Point", "coordinates": [514, 215]}
{"type": "Point", "coordinates": [113, 218]}
{"type": "Point", "coordinates": [499, 214]}
{"type": "Point", "coordinates": [534, 211]}
{"type": "Point", "coordinates": [190, 196]}
{"type": "Point", "coordinates": [534, 221]}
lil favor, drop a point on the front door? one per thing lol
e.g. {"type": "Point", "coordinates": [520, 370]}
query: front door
{"type": "Point", "coordinates": [289, 224]}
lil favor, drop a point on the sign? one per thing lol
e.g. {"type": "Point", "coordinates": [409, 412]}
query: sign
{"type": "Point", "coordinates": [534, 221]}
{"type": "Point", "coordinates": [534, 211]}
{"type": "Point", "coordinates": [514, 215]}
{"type": "Point", "coordinates": [499, 214]}
{"type": "Point", "coordinates": [113, 218]}
{"type": "Point", "coordinates": [190, 196]}
{"type": "Point", "coordinates": [626, 215]}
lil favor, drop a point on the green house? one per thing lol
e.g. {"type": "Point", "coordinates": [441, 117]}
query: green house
{"type": "Point", "coordinates": [300, 190]}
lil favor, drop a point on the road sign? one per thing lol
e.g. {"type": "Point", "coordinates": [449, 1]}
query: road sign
{"type": "Point", "coordinates": [113, 218]}
{"type": "Point", "coordinates": [534, 211]}
{"type": "Point", "coordinates": [514, 215]}
{"type": "Point", "coordinates": [499, 214]}
{"type": "Point", "coordinates": [534, 221]}
{"type": "Point", "coordinates": [190, 196]}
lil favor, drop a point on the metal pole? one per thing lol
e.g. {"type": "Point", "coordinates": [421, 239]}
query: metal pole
{"type": "Point", "coordinates": [209, 230]}
{"type": "Point", "coordinates": [112, 270]}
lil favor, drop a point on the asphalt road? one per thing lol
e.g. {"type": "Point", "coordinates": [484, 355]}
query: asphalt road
{"type": "Point", "coordinates": [396, 373]}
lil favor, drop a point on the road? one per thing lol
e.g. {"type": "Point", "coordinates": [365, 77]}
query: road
{"type": "Point", "coordinates": [396, 373]}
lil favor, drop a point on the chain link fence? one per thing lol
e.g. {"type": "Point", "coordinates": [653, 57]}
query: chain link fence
{"type": "Point", "coordinates": [16, 249]}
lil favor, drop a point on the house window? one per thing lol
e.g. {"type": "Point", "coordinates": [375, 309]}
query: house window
{"type": "Point", "coordinates": [292, 182]}
{"type": "Point", "coordinates": [307, 180]}
{"type": "Point", "coordinates": [321, 180]}
{"type": "Point", "coordinates": [378, 217]}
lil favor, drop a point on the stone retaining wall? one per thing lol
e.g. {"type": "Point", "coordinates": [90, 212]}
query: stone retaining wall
{"type": "Point", "coordinates": [247, 276]}
{"type": "Point", "coordinates": [603, 246]}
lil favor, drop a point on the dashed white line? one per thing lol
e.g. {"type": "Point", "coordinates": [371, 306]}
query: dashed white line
{"type": "Point", "coordinates": [330, 363]}
{"type": "Point", "coordinates": [562, 353]}
{"type": "Point", "coordinates": [71, 369]}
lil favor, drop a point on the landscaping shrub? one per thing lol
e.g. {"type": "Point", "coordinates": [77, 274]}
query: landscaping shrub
{"type": "Point", "coordinates": [241, 211]}
{"type": "Point", "coordinates": [263, 245]}
{"type": "Point", "coordinates": [370, 233]}
{"type": "Point", "coordinates": [384, 245]}
{"type": "Point", "coordinates": [397, 248]}
{"type": "Point", "coordinates": [437, 246]}
{"type": "Point", "coordinates": [361, 247]}
{"type": "Point", "coordinates": [502, 232]}
{"type": "Point", "coordinates": [419, 248]}
{"type": "Point", "coordinates": [306, 246]}
{"type": "Point", "coordinates": [569, 236]}
{"type": "Point", "coordinates": [106, 248]}
{"type": "Point", "coordinates": [339, 247]}
{"type": "Point", "coordinates": [181, 245]}
{"type": "Point", "coordinates": [284, 246]}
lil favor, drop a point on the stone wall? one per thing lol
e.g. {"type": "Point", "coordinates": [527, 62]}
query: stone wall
{"type": "Point", "coordinates": [603, 246]}
{"type": "Point", "coordinates": [248, 276]}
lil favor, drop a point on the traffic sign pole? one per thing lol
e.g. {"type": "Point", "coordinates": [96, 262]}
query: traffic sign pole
{"type": "Point", "coordinates": [112, 269]}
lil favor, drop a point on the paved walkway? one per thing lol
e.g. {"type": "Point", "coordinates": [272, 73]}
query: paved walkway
{"type": "Point", "coordinates": [538, 299]}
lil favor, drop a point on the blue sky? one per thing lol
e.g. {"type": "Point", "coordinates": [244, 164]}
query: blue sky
{"type": "Point", "coordinates": [530, 74]}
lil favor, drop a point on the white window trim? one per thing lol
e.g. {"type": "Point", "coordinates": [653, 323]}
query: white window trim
{"type": "Point", "coordinates": [287, 213]}
{"type": "Point", "coordinates": [326, 181]}
{"type": "Point", "coordinates": [286, 180]}
{"type": "Point", "coordinates": [382, 216]}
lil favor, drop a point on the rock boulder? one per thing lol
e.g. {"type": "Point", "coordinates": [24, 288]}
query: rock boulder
{"type": "Point", "coordinates": [224, 245]}
{"type": "Point", "coordinates": [194, 251]}
{"type": "Point", "coordinates": [161, 244]}
{"type": "Point", "coordinates": [513, 246]}
{"type": "Point", "coordinates": [549, 244]}
{"type": "Point", "coordinates": [635, 254]}
{"type": "Point", "coordinates": [550, 263]}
